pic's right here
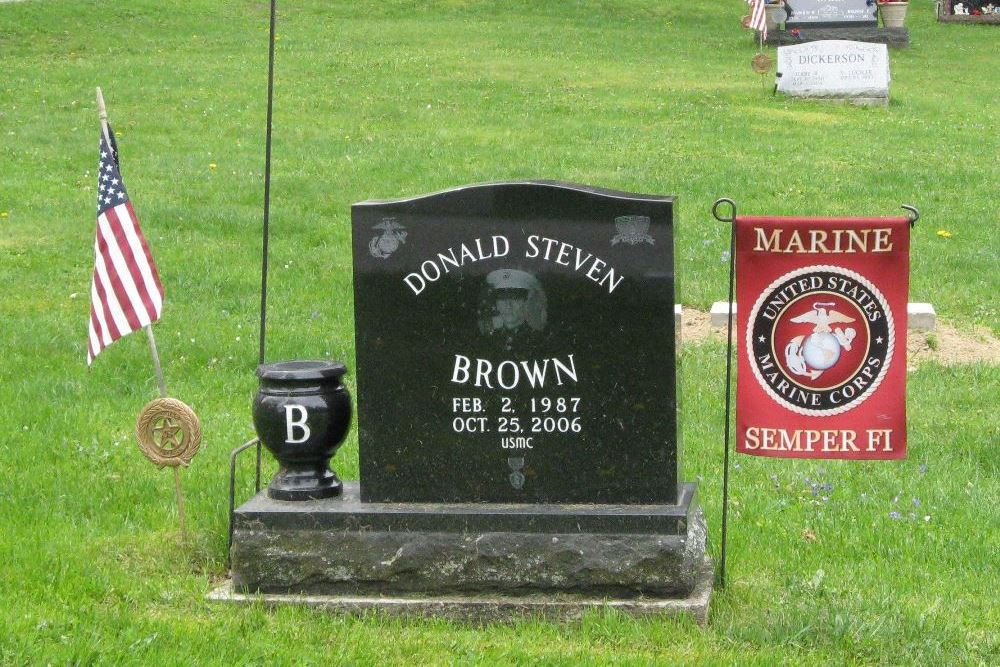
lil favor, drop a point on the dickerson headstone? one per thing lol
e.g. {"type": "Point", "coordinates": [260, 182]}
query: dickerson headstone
{"type": "Point", "coordinates": [515, 343]}
{"type": "Point", "coordinates": [835, 69]}
{"type": "Point", "coordinates": [830, 13]}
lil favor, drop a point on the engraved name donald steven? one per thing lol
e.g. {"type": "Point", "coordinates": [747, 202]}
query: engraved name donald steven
{"type": "Point", "coordinates": [537, 247]}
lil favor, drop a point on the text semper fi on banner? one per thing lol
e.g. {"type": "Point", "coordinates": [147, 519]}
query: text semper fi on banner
{"type": "Point", "coordinates": [821, 336]}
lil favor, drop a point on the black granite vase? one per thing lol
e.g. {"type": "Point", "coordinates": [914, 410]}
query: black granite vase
{"type": "Point", "coordinates": [301, 412]}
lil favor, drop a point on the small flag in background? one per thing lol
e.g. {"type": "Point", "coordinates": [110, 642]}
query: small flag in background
{"type": "Point", "coordinates": [125, 293]}
{"type": "Point", "coordinates": [757, 19]}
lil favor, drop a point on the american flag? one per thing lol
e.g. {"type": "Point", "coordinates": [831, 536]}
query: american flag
{"type": "Point", "coordinates": [125, 293]}
{"type": "Point", "coordinates": [757, 19]}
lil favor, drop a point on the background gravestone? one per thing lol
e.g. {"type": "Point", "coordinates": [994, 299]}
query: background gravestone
{"type": "Point", "coordinates": [817, 20]}
{"type": "Point", "coordinates": [835, 69]}
{"type": "Point", "coordinates": [830, 13]}
{"type": "Point", "coordinates": [494, 318]}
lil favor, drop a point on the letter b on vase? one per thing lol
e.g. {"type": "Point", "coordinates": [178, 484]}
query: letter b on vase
{"type": "Point", "coordinates": [296, 424]}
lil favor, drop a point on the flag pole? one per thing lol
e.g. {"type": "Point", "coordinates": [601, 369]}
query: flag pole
{"type": "Point", "coordinates": [156, 360]}
{"type": "Point", "coordinates": [102, 110]}
{"type": "Point", "coordinates": [178, 491]}
{"type": "Point", "coordinates": [763, 86]}
{"type": "Point", "coordinates": [267, 186]}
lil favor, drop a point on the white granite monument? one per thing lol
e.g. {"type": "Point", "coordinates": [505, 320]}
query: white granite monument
{"type": "Point", "coordinates": [835, 69]}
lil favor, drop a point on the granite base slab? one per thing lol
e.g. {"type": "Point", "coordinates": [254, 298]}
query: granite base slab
{"type": "Point", "coordinates": [344, 547]}
{"type": "Point", "coordinates": [486, 608]}
{"type": "Point", "coordinates": [891, 37]}
{"type": "Point", "coordinates": [861, 100]}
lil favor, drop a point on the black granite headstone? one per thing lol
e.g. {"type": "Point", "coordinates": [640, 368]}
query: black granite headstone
{"type": "Point", "coordinates": [830, 13]}
{"type": "Point", "coordinates": [515, 344]}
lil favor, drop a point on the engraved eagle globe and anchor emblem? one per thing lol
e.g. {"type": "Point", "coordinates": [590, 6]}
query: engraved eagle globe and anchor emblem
{"type": "Point", "coordinates": [632, 229]}
{"type": "Point", "coordinates": [811, 355]}
{"type": "Point", "coordinates": [393, 235]}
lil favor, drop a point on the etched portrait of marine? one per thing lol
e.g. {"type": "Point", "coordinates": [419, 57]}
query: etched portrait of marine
{"type": "Point", "coordinates": [512, 302]}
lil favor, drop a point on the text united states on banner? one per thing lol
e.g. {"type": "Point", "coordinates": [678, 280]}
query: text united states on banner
{"type": "Point", "coordinates": [821, 331]}
{"type": "Point", "coordinates": [125, 293]}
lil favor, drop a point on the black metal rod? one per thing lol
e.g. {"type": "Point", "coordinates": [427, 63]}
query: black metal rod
{"type": "Point", "coordinates": [267, 186]}
{"type": "Point", "coordinates": [729, 373]}
{"type": "Point", "coordinates": [256, 485]}
{"type": "Point", "coordinates": [914, 213]}
{"type": "Point", "coordinates": [232, 489]}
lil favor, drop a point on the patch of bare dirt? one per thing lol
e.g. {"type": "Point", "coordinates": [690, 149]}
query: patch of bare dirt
{"type": "Point", "coordinates": [695, 326]}
{"type": "Point", "coordinates": [950, 346]}
{"type": "Point", "coordinates": [946, 344]}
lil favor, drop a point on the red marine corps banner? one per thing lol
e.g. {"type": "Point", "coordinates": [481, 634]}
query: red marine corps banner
{"type": "Point", "coordinates": [821, 336]}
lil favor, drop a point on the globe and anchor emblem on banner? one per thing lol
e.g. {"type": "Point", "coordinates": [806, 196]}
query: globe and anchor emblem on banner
{"type": "Point", "coordinates": [819, 351]}
{"type": "Point", "coordinates": [820, 340]}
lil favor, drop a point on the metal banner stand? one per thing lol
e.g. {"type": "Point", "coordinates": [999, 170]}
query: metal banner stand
{"type": "Point", "coordinates": [731, 219]}
{"type": "Point", "coordinates": [729, 374]}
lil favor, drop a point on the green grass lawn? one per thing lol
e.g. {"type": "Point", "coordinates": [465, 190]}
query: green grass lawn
{"type": "Point", "coordinates": [395, 98]}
